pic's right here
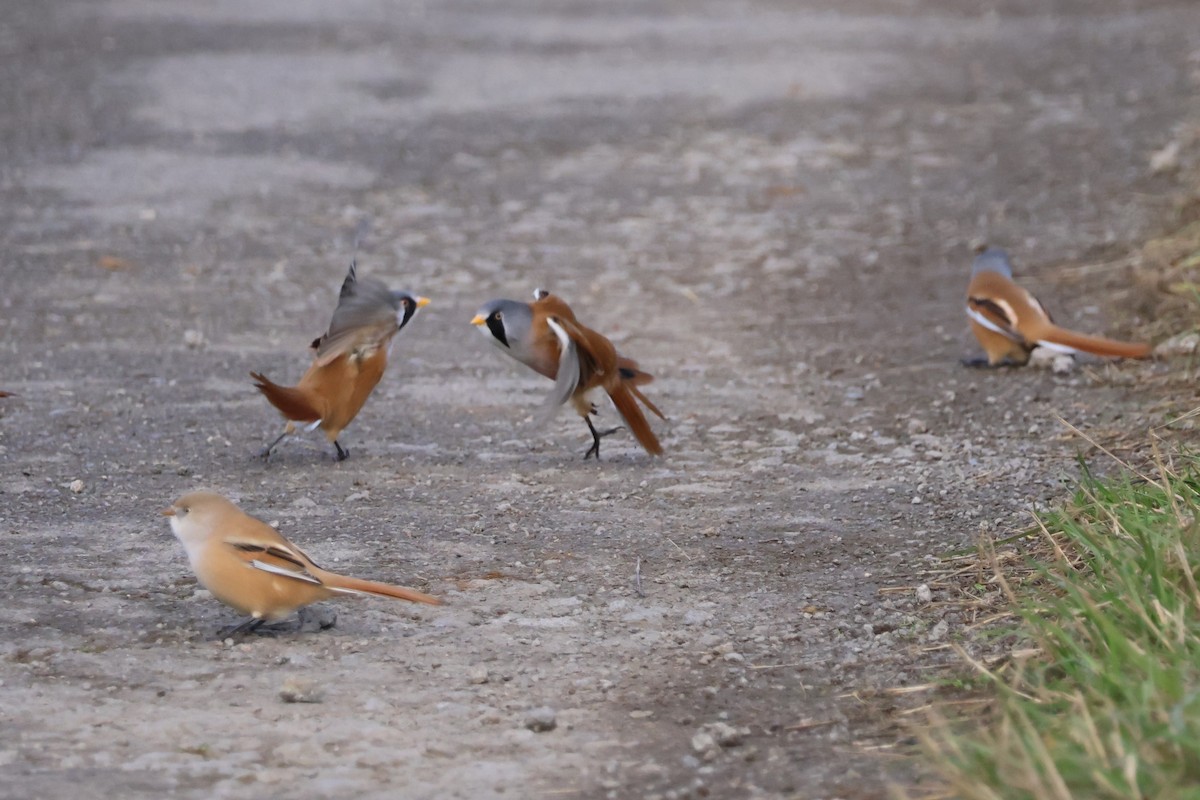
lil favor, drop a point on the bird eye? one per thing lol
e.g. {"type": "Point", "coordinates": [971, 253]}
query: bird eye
{"type": "Point", "coordinates": [496, 316]}
{"type": "Point", "coordinates": [181, 511]}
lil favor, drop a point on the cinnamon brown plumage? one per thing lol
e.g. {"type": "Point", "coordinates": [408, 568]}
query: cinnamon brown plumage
{"type": "Point", "coordinates": [1010, 323]}
{"type": "Point", "coordinates": [546, 336]}
{"type": "Point", "coordinates": [349, 360]}
{"type": "Point", "coordinates": [250, 566]}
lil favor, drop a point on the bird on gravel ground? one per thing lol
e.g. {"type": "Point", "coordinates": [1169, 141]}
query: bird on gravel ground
{"type": "Point", "coordinates": [250, 566]}
{"type": "Point", "coordinates": [545, 336]}
{"type": "Point", "coordinates": [1010, 323]}
{"type": "Point", "coordinates": [349, 361]}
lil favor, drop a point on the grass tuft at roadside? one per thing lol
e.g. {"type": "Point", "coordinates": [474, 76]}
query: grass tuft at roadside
{"type": "Point", "coordinates": [1101, 699]}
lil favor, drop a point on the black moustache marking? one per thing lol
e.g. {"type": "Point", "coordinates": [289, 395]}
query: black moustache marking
{"type": "Point", "coordinates": [497, 329]}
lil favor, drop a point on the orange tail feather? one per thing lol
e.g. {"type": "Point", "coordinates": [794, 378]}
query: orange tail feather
{"type": "Point", "coordinates": [625, 398]}
{"type": "Point", "coordinates": [633, 377]}
{"type": "Point", "coordinates": [631, 373]}
{"type": "Point", "coordinates": [291, 402]}
{"type": "Point", "coordinates": [335, 581]}
{"type": "Point", "coordinates": [1096, 345]}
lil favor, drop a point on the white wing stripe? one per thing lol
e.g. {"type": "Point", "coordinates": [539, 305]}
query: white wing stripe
{"type": "Point", "coordinates": [1057, 348]}
{"type": "Point", "coordinates": [287, 573]}
{"type": "Point", "coordinates": [991, 326]}
{"type": "Point", "coordinates": [568, 366]}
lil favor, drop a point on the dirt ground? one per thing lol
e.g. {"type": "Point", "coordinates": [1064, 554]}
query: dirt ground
{"type": "Point", "coordinates": [769, 204]}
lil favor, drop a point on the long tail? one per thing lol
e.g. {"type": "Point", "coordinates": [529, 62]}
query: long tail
{"type": "Point", "coordinates": [358, 586]}
{"type": "Point", "coordinates": [625, 397]}
{"type": "Point", "coordinates": [632, 373]}
{"type": "Point", "coordinates": [290, 401]}
{"type": "Point", "coordinates": [1056, 337]}
{"type": "Point", "coordinates": [633, 377]}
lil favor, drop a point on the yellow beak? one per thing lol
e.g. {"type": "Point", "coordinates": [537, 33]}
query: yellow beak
{"type": "Point", "coordinates": [422, 302]}
{"type": "Point", "coordinates": [479, 319]}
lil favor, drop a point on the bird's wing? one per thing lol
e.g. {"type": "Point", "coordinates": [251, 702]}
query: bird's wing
{"type": "Point", "coordinates": [274, 557]}
{"type": "Point", "coordinates": [567, 378]}
{"type": "Point", "coordinates": [364, 318]}
{"type": "Point", "coordinates": [996, 315]}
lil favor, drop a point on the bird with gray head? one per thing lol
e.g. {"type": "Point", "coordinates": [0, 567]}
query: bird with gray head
{"type": "Point", "coordinates": [545, 336]}
{"type": "Point", "coordinates": [1010, 323]}
{"type": "Point", "coordinates": [992, 259]}
{"type": "Point", "coordinates": [348, 362]}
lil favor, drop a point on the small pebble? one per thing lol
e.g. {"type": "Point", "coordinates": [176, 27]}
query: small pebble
{"type": "Point", "coordinates": [316, 618]}
{"type": "Point", "coordinates": [1181, 344]}
{"type": "Point", "coordinates": [540, 720]}
{"type": "Point", "coordinates": [703, 742]}
{"type": "Point", "coordinates": [300, 690]}
{"type": "Point", "coordinates": [478, 674]}
{"type": "Point", "coordinates": [924, 594]}
{"type": "Point", "coordinates": [727, 735]}
{"type": "Point", "coordinates": [76, 486]}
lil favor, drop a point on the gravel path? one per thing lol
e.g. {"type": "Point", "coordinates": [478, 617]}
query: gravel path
{"type": "Point", "coordinates": [770, 205]}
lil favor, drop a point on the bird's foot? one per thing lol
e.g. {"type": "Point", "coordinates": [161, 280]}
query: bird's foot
{"type": "Point", "coordinates": [265, 453]}
{"type": "Point", "coordinates": [981, 362]}
{"type": "Point", "coordinates": [594, 450]}
{"type": "Point", "coordinates": [342, 453]}
{"type": "Point", "coordinates": [249, 625]}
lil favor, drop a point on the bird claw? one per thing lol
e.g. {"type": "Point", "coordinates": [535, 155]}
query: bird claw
{"type": "Point", "coordinates": [246, 626]}
{"type": "Point", "coordinates": [594, 450]}
{"type": "Point", "coordinates": [342, 452]}
{"type": "Point", "coordinates": [265, 453]}
{"type": "Point", "coordinates": [981, 362]}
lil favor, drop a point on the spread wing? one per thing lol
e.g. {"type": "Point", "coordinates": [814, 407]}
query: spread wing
{"type": "Point", "coordinates": [364, 319]}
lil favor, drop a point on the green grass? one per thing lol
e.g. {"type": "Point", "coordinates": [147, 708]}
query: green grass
{"type": "Point", "coordinates": [1109, 707]}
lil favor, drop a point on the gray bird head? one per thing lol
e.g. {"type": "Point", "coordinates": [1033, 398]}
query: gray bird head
{"type": "Point", "coordinates": [507, 322]}
{"type": "Point", "coordinates": [366, 302]}
{"type": "Point", "coordinates": [406, 305]}
{"type": "Point", "coordinates": [361, 301]}
{"type": "Point", "coordinates": [992, 259]}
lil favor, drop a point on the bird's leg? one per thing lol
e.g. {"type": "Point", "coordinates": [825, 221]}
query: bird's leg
{"type": "Point", "coordinates": [249, 625]}
{"type": "Point", "coordinates": [265, 453]}
{"type": "Point", "coordinates": [594, 450]}
{"type": "Point", "coordinates": [342, 453]}
{"type": "Point", "coordinates": [981, 362]}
